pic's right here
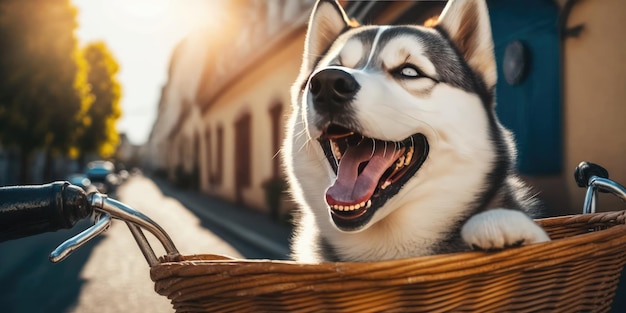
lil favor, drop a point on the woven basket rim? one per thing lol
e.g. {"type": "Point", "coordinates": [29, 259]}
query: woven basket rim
{"type": "Point", "coordinates": [587, 258]}
{"type": "Point", "coordinates": [475, 262]}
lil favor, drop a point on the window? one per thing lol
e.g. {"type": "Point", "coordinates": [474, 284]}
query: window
{"type": "Point", "coordinates": [242, 155]}
{"type": "Point", "coordinates": [220, 155]}
{"type": "Point", "coordinates": [275, 116]}
{"type": "Point", "coordinates": [208, 157]}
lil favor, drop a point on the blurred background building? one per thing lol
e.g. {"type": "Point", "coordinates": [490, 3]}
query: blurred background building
{"type": "Point", "coordinates": [562, 81]}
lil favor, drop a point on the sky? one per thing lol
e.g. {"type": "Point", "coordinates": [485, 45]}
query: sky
{"type": "Point", "coordinates": [141, 35]}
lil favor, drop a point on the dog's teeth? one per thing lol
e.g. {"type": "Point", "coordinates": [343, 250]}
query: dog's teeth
{"type": "Point", "coordinates": [353, 207]}
{"type": "Point", "coordinates": [336, 150]}
{"type": "Point", "coordinates": [409, 156]}
{"type": "Point", "coordinates": [385, 184]}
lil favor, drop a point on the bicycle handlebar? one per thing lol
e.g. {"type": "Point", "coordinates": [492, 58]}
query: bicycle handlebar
{"type": "Point", "coordinates": [586, 170]}
{"type": "Point", "coordinates": [32, 210]}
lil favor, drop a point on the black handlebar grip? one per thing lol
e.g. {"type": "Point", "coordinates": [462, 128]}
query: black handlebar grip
{"type": "Point", "coordinates": [31, 210]}
{"type": "Point", "coordinates": [586, 170]}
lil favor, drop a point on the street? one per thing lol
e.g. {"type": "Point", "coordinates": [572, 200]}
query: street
{"type": "Point", "coordinates": [110, 274]}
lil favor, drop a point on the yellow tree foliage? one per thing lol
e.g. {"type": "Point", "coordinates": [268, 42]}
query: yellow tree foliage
{"type": "Point", "coordinates": [101, 135]}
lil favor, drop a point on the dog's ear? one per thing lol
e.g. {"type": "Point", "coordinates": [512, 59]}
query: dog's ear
{"type": "Point", "coordinates": [467, 24]}
{"type": "Point", "coordinates": [327, 22]}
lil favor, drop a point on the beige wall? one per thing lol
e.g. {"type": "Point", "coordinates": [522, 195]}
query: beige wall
{"type": "Point", "coordinates": [177, 96]}
{"type": "Point", "coordinates": [595, 95]}
{"type": "Point", "coordinates": [258, 89]}
{"type": "Point", "coordinates": [594, 92]}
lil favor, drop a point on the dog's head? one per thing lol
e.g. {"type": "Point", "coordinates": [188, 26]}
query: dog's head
{"type": "Point", "coordinates": [382, 112]}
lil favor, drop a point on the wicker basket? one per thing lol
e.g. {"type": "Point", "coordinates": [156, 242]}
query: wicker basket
{"type": "Point", "coordinates": [576, 272]}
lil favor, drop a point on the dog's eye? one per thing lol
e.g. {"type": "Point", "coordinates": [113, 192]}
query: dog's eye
{"type": "Point", "coordinates": [407, 71]}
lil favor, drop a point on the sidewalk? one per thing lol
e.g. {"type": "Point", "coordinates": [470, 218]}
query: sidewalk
{"type": "Point", "coordinates": [247, 225]}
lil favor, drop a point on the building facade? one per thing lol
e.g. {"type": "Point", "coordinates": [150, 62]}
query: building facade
{"type": "Point", "coordinates": [221, 115]}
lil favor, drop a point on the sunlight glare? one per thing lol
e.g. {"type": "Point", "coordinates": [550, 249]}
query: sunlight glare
{"type": "Point", "coordinates": [142, 35]}
{"type": "Point", "coordinates": [142, 8]}
{"type": "Point", "coordinates": [165, 16]}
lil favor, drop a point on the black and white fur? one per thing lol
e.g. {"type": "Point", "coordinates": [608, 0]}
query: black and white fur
{"type": "Point", "coordinates": [434, 81]}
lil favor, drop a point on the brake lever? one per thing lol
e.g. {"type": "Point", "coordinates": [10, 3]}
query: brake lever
{"type": "Point", "coordinates": [103, 222]}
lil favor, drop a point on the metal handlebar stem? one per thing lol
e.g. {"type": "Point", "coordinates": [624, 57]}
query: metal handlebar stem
{"type": "Point", "coordinates": [135, 218]}
{"type": "Point", "coordinates": [598, 183]}
{"type": "Point", "coordinates": [110, 208]}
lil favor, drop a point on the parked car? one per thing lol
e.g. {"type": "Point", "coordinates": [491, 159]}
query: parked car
{"type": "Point", "coordinates": [80, 180]}
{"type": "Point", "coordinates": [123, 175]}
{"type": "Point", "coordinates": [102, 176]}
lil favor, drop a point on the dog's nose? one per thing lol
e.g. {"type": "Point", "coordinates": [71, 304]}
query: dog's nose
{"type": "Point", "coordinates": [332, 90]}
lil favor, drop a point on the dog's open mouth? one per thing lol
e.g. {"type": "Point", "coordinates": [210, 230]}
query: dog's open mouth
{"type": "Point", "coordinates": [369, 172]}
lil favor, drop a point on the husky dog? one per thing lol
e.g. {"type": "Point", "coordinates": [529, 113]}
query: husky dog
{"type": "Point", "coordinates": [393, 149]}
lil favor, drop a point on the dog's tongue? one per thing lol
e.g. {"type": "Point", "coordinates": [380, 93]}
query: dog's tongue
{"type": "Point", "coordinates": [350, 187]}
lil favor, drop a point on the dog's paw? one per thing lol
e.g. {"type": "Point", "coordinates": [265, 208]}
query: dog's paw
{"type": "Point", "coordinates": [501, 228]}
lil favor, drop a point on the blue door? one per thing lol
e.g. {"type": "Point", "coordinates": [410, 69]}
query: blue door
{"type": "Point", "coordinates": [528, 92]}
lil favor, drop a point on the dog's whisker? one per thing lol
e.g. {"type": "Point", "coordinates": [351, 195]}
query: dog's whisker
{"type": "Point", "coordinates": [305, 144]}
{"type": "Point", "coordinates": [277, 153]}
{"type": "Point", "coordinates": [297, 138]}
{"type": "Point", "coordinates": [302, 147]}
{"type": "Point", "coordinates": [301, 133]}
{"type": "Point", "coordinates": [385, 150]}
{"type": "Point", "coordinates": [305, 127]}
